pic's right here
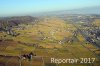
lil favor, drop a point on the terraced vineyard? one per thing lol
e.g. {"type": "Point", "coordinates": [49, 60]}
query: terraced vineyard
{"type": "Point", "coordinates": [49, 37]}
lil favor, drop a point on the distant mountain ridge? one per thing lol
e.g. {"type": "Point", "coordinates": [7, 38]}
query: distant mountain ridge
{"type": "Point", "coordinates": [87, 10]}
{"type": "Point", "coordinates": [15, 21]}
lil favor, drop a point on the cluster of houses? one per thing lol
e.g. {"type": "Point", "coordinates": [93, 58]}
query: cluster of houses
{"type": "Point", "coordinates": [92, 34]}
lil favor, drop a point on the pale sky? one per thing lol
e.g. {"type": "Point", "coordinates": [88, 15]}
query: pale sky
{"type": "Point", "coordinates": [18, 7]}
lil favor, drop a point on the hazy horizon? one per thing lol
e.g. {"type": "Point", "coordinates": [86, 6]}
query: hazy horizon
{"type": "Point", "coordinates": [27, 7]}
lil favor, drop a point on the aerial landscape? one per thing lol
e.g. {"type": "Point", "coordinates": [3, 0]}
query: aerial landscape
{"type": "Point", "coordinates": [49, 33]}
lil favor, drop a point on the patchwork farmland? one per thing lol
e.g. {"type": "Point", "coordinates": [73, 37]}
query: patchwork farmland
{"type": "Point", "coordinates": [33, 41]}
